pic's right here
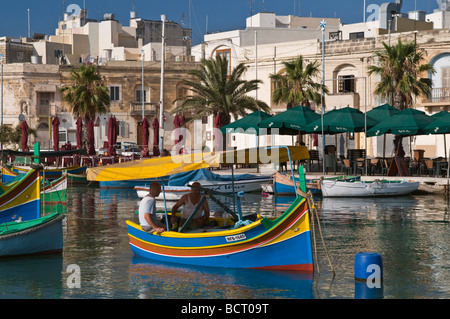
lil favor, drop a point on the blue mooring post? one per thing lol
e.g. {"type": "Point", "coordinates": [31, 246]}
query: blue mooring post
{"type": "Point", "coordinates": [368, 276]}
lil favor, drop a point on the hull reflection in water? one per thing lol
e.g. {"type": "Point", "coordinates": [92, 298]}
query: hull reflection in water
{"type": "Point", "coordinates": [166, 280]}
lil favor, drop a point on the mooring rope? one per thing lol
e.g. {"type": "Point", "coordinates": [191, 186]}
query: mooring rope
{"type": "Point", "coordinates": [314, 213]}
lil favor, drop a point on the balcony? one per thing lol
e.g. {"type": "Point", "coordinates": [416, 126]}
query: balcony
{"type": "Point", "coordinates": [439, 97]}
{"type": "Point", "coordinates": [136, 109]}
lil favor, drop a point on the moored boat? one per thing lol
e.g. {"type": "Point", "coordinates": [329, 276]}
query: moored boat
{"type": "Point", "coordinates": [337, 188]}
{"type": "Point", "coordinates": [178, 184]}
{"type": "Point", "coordinates": [283, 184]}
{"type": "Point", "coordinates": [21, 199]}
{"type": "Point", "coordinates": [36, 236]}
{"type": "Point", "coordinates": [53, 173]}
{"type": "Point", "coordinates": [55, 191]}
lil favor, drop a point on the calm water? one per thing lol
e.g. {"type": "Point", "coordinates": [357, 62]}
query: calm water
{"type": "Point", "coordinates": [411, 233]}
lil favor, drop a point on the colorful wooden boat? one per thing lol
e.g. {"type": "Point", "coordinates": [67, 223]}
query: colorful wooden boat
{"type": "Point", "coordinates": [53, 173]}
{"type": "Point", "coordinates": [7, 174]}
{"type": "Point", "coordinates": [283, 243]}
{"type": "Point", "coordinates": [55, 191]}
{"type": "Point", "coordinates": [367, 188]}
{"type": "Point", "coordinates": [37, 236]}
{"type": "Point", "coordinates": [21, 199]}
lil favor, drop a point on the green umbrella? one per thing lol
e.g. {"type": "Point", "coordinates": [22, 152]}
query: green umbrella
{"type": "Point", "coordinates": [441, 125]}
{"type": "Point", "coordinates": [407, 122]}
{"type": "Point", "coordinates": [342, 120]}
{"type": "Point", "coordinates": [291, 121]}
{"type": "Point", "coordinates": [247, 124]}
{"type": "Point", "coordinates": [382, 112]}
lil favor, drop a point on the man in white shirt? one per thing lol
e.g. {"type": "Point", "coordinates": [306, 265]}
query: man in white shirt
{"type": "Point", "coordinates": [147, 211]}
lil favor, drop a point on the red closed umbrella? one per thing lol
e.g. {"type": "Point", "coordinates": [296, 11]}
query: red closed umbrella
{"type": "Point", "coordinates": [24, 128]}
{"type": "Point", "coordinates": [55, 124]}
{"type": "Point", "coordinates": [178, 121]}
{"type": "Point", "coordinates": [115, 134]}
{"type": "Point", "coordinates": [79, 132]}
{"type": "Point", "coordinates": [217, 125]}
{"type": "Point", "coordinates": [145, 135]}
{"type": "Point", "coordinates": [155, 125]}
{"type": "Point", "coordinates": [111, 134]}
{"type": "Point", "coordinates": [91, 140]}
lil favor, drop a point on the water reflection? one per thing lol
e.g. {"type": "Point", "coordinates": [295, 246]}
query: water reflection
{"type": "Point", "coordinates": [162, 280]}
{"type": "Point", "coordinates": [37, 277]}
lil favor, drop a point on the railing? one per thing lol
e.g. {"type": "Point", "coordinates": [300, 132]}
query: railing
{"type": "Point", "coordinates": [136, 108]}
{"type": "Point", "coordinates": [439, 95]}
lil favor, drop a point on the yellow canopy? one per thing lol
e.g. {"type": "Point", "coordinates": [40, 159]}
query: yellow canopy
{"type": "Point", "coordinates": [169, 165]}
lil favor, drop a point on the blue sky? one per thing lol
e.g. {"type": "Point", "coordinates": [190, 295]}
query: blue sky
{"type": "Point", "coordinates": [221, 15]}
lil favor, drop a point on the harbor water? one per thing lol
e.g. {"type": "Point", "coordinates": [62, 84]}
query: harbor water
{"type": "Point", "coordinates": [411, 234]}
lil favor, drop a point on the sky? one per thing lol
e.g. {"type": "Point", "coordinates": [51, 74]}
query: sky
{"type": "Point", "coordinates": [202, 15]}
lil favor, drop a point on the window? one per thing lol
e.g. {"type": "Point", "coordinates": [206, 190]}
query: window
{"type": "Point", "coordinates": [445, 77]}
{"type": "Point", "coordinates": [356, 35]}
{"type": "Point", "coordinates": [346, 83]}
{"type": "Point", "coordinates": [114, 93]}
{"type": "Point", "coordinates": [225, 54]}
{"type": "Point", "coordinates": [139, 95]}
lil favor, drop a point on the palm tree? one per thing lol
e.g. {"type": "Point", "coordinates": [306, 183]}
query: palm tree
{"type": "Point", "coordinates": [87, 95]}
{"type": "Point", "coordinates": [298, 86]}
{"type": "Point", "coordinates": [217, 92]}
{"type": "Point", "coordinates": [399, 68]}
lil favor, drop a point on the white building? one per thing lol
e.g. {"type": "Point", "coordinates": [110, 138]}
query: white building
{"type": "Point", "coordinates": [268, 40]}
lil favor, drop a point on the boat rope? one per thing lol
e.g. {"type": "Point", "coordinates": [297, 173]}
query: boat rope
{"type": "Point", "coordinates": [314, 213]}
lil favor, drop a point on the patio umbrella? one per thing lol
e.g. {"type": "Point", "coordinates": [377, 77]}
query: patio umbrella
{"type": "Point", "coordinates": [24, 128]}
{"type": "Point", "coordinates": [155, 126]}
{"type": "Point", "coordinates": [247, 124]}
{"type": "Point", "coordinates": [79, 132]}
{"type": "Point", "coordinates": [91, 140]}
{"type": "Point", "coordinates": [55, 124]}
{"type": "Point", "coordinates": [178, 121]}
{"type": "Point", "coordinates": [291, 121]}
{"type": "Point", "coordinates": [343, 120]}
{"type": "Point", "coordinates": [408, 122]}
{"type": "Point", "coordinates": [381, 113]}
{"type": "Point", "coordinates": [440, 126]}
{"type": "Point", "coordinates": [145, 135]}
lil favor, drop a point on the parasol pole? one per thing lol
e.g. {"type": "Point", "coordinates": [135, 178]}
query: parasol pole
{"type": "Point", "coordinates": [323, 24]}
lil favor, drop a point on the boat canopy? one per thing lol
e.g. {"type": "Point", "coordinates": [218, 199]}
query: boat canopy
{"type": "Point", "coordinates": [169, 165]}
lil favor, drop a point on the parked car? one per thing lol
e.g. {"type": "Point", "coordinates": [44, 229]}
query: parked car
{"type": "Point", "coordinates": [132, 151]}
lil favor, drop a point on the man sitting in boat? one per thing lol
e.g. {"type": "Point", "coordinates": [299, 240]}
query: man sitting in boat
{"type": "Point", "coordinates": [147, 211]}
{"type": "Point", "coordinates": [190, 202]}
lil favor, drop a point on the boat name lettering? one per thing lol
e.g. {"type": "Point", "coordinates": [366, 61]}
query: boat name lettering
{"type": "Point", "coordinates": [235, 238]}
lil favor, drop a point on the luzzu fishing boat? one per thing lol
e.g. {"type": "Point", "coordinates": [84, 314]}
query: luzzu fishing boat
{"type": "Point", "coordinates": [51, 191]}
{"type": "Point", "coordinates": [21, 198]}
{"type": "Point", "coordinates": [53, 173]}
{"type": "Point", "coordinates": [36, 236]}
{"type": "Point", "coordinates": [283, 243]}
{"type": "Point", "coordinates": [55, 191]}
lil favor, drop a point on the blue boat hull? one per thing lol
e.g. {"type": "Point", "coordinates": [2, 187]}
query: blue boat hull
{"type": "Point", "coordinates": [45, 238]}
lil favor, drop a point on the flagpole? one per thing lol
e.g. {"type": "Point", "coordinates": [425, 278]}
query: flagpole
{"type": "Point", "coordinates": [323, 24]}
